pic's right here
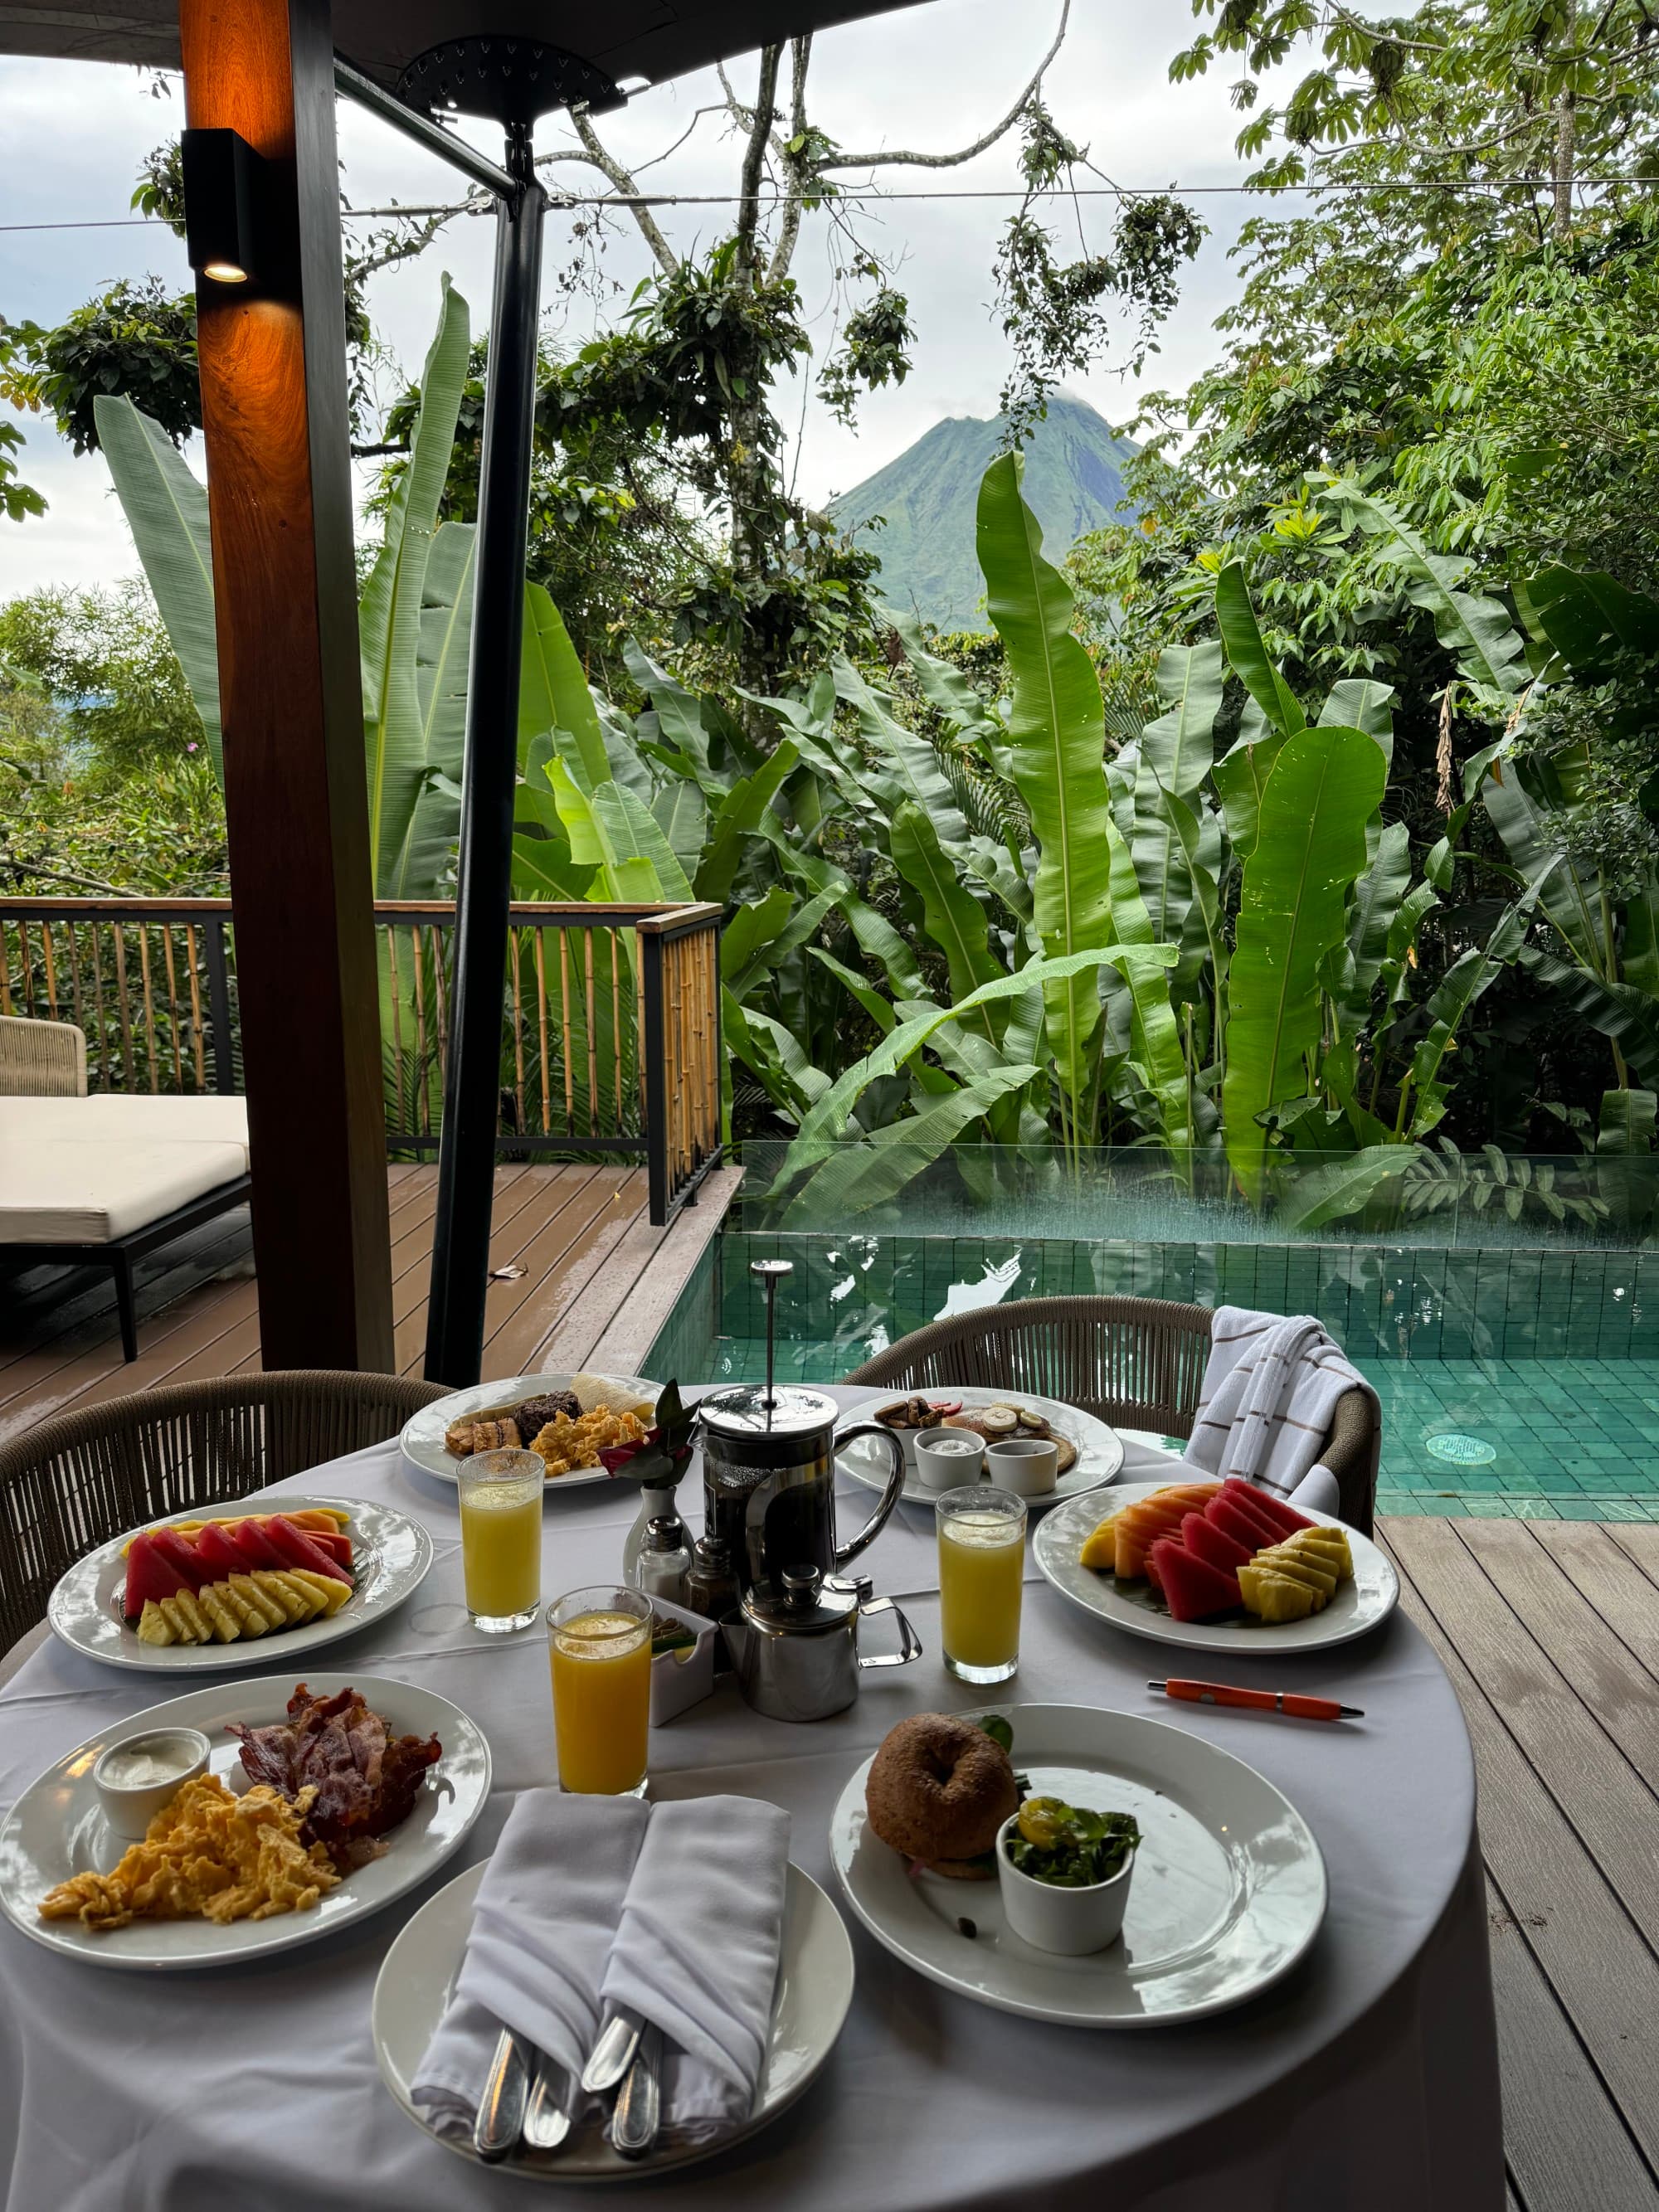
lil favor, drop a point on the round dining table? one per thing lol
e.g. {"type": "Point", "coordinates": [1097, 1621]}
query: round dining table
{"type": "Point", "coordinates": [1366, 2078]}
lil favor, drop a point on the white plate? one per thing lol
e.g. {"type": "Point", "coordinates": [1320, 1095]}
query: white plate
{"type": "Point", "coordinates": [1227, 1893]}
{"type": "Point", "coordinates": [390, 1555]}
{"type": "Point", "coordinates": [1358, 1607]}
{"type": "Point", "coordinates": [422, 1439]}
{"type": "Point", "coordinates": [1099, 1449]}
{"type": "Point", "coordinates": [57, 1828]}
{"type": "Point", "coordinates": [815, 1987]}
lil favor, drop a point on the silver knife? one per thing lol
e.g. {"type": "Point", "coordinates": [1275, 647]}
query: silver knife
{"type": "Point", "coordinates": [638, 2115]}
{"type": "Point", "coordinates": [613, 2054]}
{"type": "Point", "coordinates": [500, 2117]}
{"type": "Point", "coordinates": [546, 2123]}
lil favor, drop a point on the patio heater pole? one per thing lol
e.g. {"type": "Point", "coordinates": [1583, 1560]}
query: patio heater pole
{"type": "Point", "coordinates": [466, 1159]}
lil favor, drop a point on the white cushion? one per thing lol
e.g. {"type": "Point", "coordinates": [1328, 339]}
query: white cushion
{"type": "Point", "coordinates": [134, 1116]}
{"type": "Point", "coordinates": [66, 1191]}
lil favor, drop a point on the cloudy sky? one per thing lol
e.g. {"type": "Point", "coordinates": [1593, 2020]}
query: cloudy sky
{"type": "Point", "coordinates": [930, 77]}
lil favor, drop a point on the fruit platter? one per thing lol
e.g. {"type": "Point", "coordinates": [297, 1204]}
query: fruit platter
{"type": "Point", "coordinates": [217, 1590]}
{"type": "Point", "coordinates": [1216, 1566]}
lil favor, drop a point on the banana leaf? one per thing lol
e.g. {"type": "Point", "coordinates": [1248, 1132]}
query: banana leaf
{"type": "Point", "coordinates": [405, 754]}
{"type": "Point", "coordinates": [1240, 777]}
{"type": "Point", "coordinates": [737, 817]}
{"type": "Point", "coordinates": [167, 511]}
{"type": "Point", "coordinates": [856, 1176]}
{"type": "Point", "coordinates": [1572, 895]}
{"type": "Point", "coordinates": [1628, 1016]}
{"type": "Point", "coordinates": [1247, 656]}
{"type": "Point", "coordinates": [1360, 702]}
{"type": "Point", "coordinates": [1377, 902]}
{"type": "Point", "coordinates": [1340, 1188]}
{"type": "Point", "coordinates": [908, 768]}
{"type": "Point", "coordinates": [1056, 744]}
{"type": "Point", "coordinates": [1310, 847]}
{"type": "Point", "coordinates": [880, 1012]}
{"type": "Point", "coordinates": [679, 811]}
{"type": "Point", "coordinates": [1175, 753]}
{"type": "Point", "coordinates": [831, 1111]}
{"type": "Point", "coordinates": [553, 693]}
{"type": "Point", "coordinates": [942, 684]}
{"type": "Point", "coordinates": [953, 917]}
{"type": "Point", "coordinates": [1470, 975]}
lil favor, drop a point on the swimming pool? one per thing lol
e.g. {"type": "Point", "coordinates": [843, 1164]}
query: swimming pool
{"type": "Point", "coordinates": [1514, 1382]}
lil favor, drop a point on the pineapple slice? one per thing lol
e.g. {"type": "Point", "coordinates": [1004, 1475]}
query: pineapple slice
{"type": "Point", "coordinates": [1274, 1597]}
{"type": "Point", "coordinates": [258, 1600]}
{"type": "Point", "coordinates": [153, 1625]}
{"type": "Point", "coordinates": [1328, 1547]}
{"type": "Point", "coordinates": [186, 1618]}
{"type": "Point", "coordinates": [332, 1593]}
{"type": "Point", "coordinates": [298, 1603]}
{"type": "Point", "coordinates": [250, 1619]}
{"type": "Point", "coordinates": [1299, 1570]}
{"type": "Point", "coordinates": [227, 1628]}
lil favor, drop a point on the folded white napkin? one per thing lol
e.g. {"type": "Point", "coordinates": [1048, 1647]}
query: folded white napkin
{"type": "Point", "coordinates": [697, 1953]}
{"type": "Point", "coordinates": [542, 1928]}
{"type": "Point", "coordinates": [1317, 1492]}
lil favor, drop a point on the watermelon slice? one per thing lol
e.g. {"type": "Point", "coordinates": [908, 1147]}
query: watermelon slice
{"type": "Point", "coordinates": [300, 1550]}
{"type": "Point", "coordinates": [150, 1577]}
{"type": "Point", "coordinates": [1285, 1517]}
{"type": "Point", "coordinates": [181, 1554]}
{"type": "Point", "coordinates": [256, 1549]}
{"type": "Point", "coordinates": [1237, 1521]}
{"type": "Point", "coordinates": [1206, 1541]}
{"type": "Point", "coordinates": [336, 1542]}
{"type": "Point", "coordinates": [1192, 1589]}
{"type": "Point", "coordinates": [217, 1554]}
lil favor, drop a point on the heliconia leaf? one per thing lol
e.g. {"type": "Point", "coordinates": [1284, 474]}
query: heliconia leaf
{"type": "Point", "coordinates": [1324, 786]}
{"type": "Point", "coordinates": [1056, 744]}
{"type": "Point", "coordinates": [167, 511]}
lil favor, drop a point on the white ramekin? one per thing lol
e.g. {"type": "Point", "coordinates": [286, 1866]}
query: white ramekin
{"type": "Point", "coordinates": [1029, 1466]}
{"type": "Point", "coordinates": [1070, 1921]}
{"type": "Point", "coordinates": [131, 1806]}
{"type": "Point", "coordinates": [949, 1467]}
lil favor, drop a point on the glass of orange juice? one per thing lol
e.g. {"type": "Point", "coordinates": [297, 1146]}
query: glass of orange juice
{"type": "Point", "coordinates": [982, 1566]}
{"type": "Point", "coordinates": [599, 1646]}
{"type": "Point", "coordinates": [502, 1494]}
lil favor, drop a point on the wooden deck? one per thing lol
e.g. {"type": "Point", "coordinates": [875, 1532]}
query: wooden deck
{"type": "Point", "coordinates": [580, 1270]}
{"type": "Point", "coordinates": [1550, 1630]}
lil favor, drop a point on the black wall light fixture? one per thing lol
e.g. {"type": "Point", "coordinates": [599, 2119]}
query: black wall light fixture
{"type": "Point", "coordinates": [224, 178]}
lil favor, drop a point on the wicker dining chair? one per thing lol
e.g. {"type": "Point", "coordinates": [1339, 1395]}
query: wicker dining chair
{"type": "Point", "coordinates": [1137, 1363]}
{"type": "Point", "coordinates": [70, 1484]}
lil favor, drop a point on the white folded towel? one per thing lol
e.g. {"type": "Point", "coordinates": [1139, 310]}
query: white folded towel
{"type": "Point", "coordinates": [697, 1953]}
{"type": "Point", "coordinates": [1269, 1391]}
{"type": "Point", "coordinates": [546, 1914]}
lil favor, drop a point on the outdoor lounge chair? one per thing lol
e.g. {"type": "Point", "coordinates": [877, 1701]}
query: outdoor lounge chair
{"type": "Point", "coordinates": [1136, 1362]}
{"type": "Point", "coordinates": [103, 1181]}
{"type": "Point", "coordinates": [73, 1483]}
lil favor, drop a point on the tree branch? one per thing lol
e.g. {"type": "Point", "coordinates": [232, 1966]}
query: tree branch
{"type": "Point", "coordinates": [607, 164]}
{"type": "Point", "coordinates": [800, 56]}
{"type": "Point", "coordinates": [754, 161]}
{"type": "Point", "coordinates": [967, 153]}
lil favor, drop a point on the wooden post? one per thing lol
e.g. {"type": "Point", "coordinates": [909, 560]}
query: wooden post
{"type": "Point", "coordinates": [273, 371]}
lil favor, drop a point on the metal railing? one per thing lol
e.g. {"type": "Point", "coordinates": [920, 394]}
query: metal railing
{"type": "Point", "coordinates": [609, 1027]}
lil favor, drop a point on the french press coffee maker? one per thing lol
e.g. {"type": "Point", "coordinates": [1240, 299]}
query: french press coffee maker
{"type": "Point", "coordinates": [768, 1469]}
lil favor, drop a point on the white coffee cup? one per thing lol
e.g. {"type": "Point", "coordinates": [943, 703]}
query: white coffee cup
{"type": "Point", "coordinates": [947, 1458]}
{"type": "Point", "coordinates": [1029, 1466]}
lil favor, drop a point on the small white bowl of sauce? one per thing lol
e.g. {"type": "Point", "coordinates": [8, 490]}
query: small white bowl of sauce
{"type": "Point", "coordinates": [136, 1778]}
{"type": "Point", "coordinates": [946, 1458]}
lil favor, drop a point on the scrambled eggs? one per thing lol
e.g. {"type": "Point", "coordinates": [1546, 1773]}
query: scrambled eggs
{"type": "Point", "coordinates": [564, 1445]}
{"type": "Point", "coordinates": [209, 1853]}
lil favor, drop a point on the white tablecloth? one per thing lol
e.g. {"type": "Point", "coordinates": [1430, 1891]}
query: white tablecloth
{"type": "Point", "coordinates": [1368, 2079]}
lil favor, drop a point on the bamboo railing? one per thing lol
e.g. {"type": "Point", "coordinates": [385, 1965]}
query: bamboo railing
{"type": "Point", "coordinates": [610, 1039]}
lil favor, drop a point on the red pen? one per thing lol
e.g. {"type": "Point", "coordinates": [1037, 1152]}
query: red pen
{"type": "Point", "coordinates": [1262, 1701]}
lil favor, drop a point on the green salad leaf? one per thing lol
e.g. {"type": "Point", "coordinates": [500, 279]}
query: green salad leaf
{"type": "Point", "coordinates": [1069, 1846]}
